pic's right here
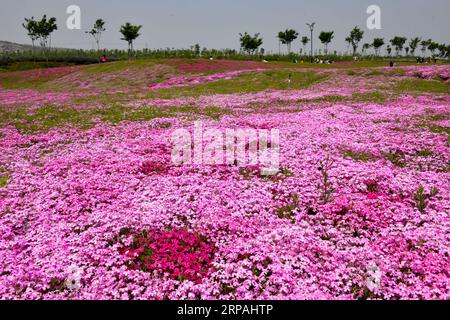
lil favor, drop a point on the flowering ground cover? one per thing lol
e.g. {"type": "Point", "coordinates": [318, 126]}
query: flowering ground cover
{"type": "Point", "coordinates": [92, 207]}
{"type": "Point", "coordinates": [213, 66]}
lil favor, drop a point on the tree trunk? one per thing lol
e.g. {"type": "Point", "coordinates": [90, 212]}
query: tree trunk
{"type": "Point", "coordinates": [33, 50]}
{"type": "Point", "coordinates": [98, 51]}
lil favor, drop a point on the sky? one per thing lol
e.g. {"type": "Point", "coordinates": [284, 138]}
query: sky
{"type": "Point", "coordinates": [217, 23]}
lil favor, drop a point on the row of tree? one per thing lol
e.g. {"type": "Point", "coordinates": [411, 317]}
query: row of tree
{"type": "Point", "coordinates": [251, 44]}
{"type": "Point", "coordinates": [41, 31]}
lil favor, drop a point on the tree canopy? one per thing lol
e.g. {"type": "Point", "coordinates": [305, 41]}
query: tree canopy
{"type": "Point", "coordinates": [326, 37]}
{"type": "Point", "coordinates": [130, 33]}
{"type": "Point", "coordinates": [356, 35]}
{"type": "Point", "coordinates": [398, 43]}
{"type": "Point", "coordinates": [97, 30]}
{"type": "Point", "coordinates": [40, 30]}
{"type": "Point", "coordinates": [377, 44]}
{"type": "Point", "coordinates": [287, 37]}
{"type": "Point", "coordinates": [250, 44]}
{"type": "Point", "coordinates": [31, 26]}
{"type": "Point", "coordinates": [413, 43]}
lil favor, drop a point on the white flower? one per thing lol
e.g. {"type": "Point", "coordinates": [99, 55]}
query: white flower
{"type": "Point", "coordinates": [373, 280]}
{"type": "Point", "coordinates": [73, 281]}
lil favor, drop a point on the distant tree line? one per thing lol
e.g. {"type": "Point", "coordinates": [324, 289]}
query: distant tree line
{"type": "Point", "coordinates": [251, 44]}
{"type": "Point", "coordinates": [40, 31]}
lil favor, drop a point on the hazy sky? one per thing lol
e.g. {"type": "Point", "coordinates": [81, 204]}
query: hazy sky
{"type": "Point", "coordinates": [217, 23]}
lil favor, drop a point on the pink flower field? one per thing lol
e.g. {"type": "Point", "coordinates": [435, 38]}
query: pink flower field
{"type": "Point", "coordinates": [93, 207]}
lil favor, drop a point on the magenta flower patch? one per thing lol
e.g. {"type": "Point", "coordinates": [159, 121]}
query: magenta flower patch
{"type": "Point", "coordinates": [153, 167]}
{"type": "Point", "coordinates": [181, 254]}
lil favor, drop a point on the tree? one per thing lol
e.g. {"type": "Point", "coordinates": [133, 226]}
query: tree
{"type": "Point", "coordinates": [355, 38]}
{"type": "Point", "coordinates": [41, 30]}
{"type": "Point", "coordinates": [424, 44]}
{"type": "Point", "coordinates": [432, 46]}
{"type": "Point", "coordinates": [250, 44]}
{"type": "Point", "coordinates": [389, 50]}
{"type": "Point", "coordinates": [413, 43]}
{"type": "Point", "coordinates": [442, 50]}
{"type": "Point", "coordinates": [326, 38]}
{"type": "Point", "coordinates": [130, 33]}
{"type": "Point", "coordinates": [366, 46]}
{"type": "Point", "coordinates": [197, 49]}
{"type": "Point", "coordinates": [32, 31]}
{"type": "Point", "coordinates": [377, 44]}
{"type": "Point", "coordinates": [287, 37]}
{"type": "Point", "coordinates": [96, 32]}
{"type": "Point", "coordinates": [45, 28]}
{"type": "Point", "coordinates": [349, 42]}
{"type": "Point", "coordinates": [305, 41]}
{"type": "Point", "coordinates": [398, 43]}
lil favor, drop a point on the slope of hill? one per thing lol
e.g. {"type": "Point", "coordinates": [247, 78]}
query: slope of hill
{"type": "Point", "coordinates": [6, 46]}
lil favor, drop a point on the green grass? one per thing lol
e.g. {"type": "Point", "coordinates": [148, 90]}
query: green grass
{"type": "Point", "coordinates": [49, 117]}
{"type": "Point", "coordinates": [16, 81]}
{"type": "Point", "coordinates": [359, 156]}
{"type": "Point", "coordinates": [253, 82]}
{"type": "Point", "coordinates": [397, 158]}
{"type": "Point", "coordinates": [424, 153]}
{"type": "Point", "coordinates": [341, 65]}
{"type": "Point", "coordinates": [418, 85]}
{"type": "Point", "coordinates": [117, 66]}
{"type": "Point", "coordinates": [388, 73]}
{"type": "Point", "coordinates": [431, 116]}
{"type": "Point", "coordinates": [117, 114]}
{"type": "Point", "coordinates": [440, 130]}
{"type": "Point", "coordinates": [30, 65]}
{"type": "Point", "coordinates": [426, 122]}
{"type": "Point", "coordinates": [378, 97]}
{"type": "Point", "coordinates": [375, 96]}
{"type": "Point", "coordinates": [43, 119]}
{"type": "Point", "coordinates": [3, 181]}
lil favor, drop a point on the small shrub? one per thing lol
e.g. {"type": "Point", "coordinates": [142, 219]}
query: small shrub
{"type": "Point", "coordinates": [288, 211]}
{"type": "Point", "coordinates": [421, 198]}
{"type": "Point", "coordinates": [397, 158]}
{"type": "Point", "coordinates": [325, 186]}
